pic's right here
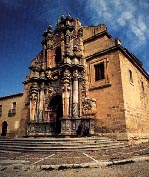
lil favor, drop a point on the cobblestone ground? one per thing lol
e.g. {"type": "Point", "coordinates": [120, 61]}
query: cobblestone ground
{"type": "Point", "coordinates": [14, 164]}
{"type": "Point", "coordinates": [139, 169]}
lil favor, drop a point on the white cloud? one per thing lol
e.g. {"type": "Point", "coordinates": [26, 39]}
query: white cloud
{"type": "Point", "coordinates": [124, 18]}
{"type": "Point", "coordinates": [129, 15]}
{"type": "Point", "coordinates": [104, 9]}
{"type": "Point", "coordinates": [139, 29]}
{"type": "Point", "coordinates": [141, 23]}
{"type": "Point", "coordinates": [117, 3]}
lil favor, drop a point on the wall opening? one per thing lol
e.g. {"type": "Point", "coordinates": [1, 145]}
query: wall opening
{"type": "Point", "coordinates": [4, 128]}
{"type": "Point", "coordinates": [99, 71]}
{"type": "Point", "coordinates": [57, 112]}
{"type": "Point", "coordinates": [130, 76]}
{"type": "Point", "coordinates": [58, 55]}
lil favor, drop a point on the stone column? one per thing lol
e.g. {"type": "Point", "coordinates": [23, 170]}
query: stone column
{"type": "Point", "coordinates": [33, 100]}
{"type": "Point", "coordinates": [41, 103]}
{"type": "Point", "coordinates": [65, 98]}
{"type": "Point", "coordinates": [33, 104]}
{"type": "Point", "coordinates": [75, 93]}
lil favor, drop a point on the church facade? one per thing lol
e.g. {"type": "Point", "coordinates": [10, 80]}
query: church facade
{"type": "Point", "coordinates": [81, 77]}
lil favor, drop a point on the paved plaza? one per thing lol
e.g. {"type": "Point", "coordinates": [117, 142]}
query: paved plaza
{"type": "Point", "coordinates": [50, 162]}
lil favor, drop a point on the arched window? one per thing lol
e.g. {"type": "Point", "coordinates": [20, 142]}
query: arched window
{"type": "Point", "coordinates": [58, 55]}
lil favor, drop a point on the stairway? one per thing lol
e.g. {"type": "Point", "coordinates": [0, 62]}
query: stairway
{"type": "Point", "coordinates": [59, 144]}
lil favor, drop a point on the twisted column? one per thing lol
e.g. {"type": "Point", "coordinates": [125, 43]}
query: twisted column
{"type": "Point", "coordinates": [75, 93]}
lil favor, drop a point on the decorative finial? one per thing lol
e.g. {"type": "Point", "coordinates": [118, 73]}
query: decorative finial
{"type": "Point", "coordinates": [68, 16]}
{"type": "Point", "coordinates": [58, 23]}
{"type": "Point", "coordinates": [49, 28]}
{"type": "Point", "coordinates": [62, 17]}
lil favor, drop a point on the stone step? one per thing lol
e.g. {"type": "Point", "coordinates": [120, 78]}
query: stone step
{"type": "Point", "coordinates": [56, 144]}
{"type": "Point", "coordinates": [59, 144]}
{"type": "Point", "coordinates": [57, 139]}
{"type": "Point", "coordinates": [57, 149]}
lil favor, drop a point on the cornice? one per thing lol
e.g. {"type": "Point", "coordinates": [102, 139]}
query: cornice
{"type": "Point", "coordinates": [134, 60]}
{"type": "Point", "coordinates": [97, 36]}
{"type": "Point", "coordinates": [100, 87]}
{"type": "Point", "coordinates": [11, 96]}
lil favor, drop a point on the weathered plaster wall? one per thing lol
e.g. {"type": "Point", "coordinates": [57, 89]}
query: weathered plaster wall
{"type": "Point", "coordinates": [13, 121]}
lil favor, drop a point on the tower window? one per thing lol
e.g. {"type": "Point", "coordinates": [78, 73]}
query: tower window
{"type": "Point", "coordinates": [130, 76]}
{"type": "Point", "coordinates": [99, 71]}
{"type": "Point", "coordinates": [142, 84]}
{"type": "Point", "coordinates": [14, 105]}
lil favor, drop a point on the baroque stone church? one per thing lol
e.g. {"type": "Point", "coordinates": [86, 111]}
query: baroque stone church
{"type": "Point", "coordinates": [80, 77]}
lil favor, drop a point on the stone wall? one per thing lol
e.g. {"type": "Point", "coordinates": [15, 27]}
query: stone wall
{"type": "Point", "coordinates": [12, 117]}
{"type": "Point", "coordinates": [110, 117]}
{"type": "Point", "coordinates": [108, 93]}
{"type": "Point", "coordinates": [98, 40]}
{"type": "Point", "coordinates": [136, 99]}
{"type": "Point", "coordinates": [89, 31]}
{"type": "Point", "coordinates": [22, 131]}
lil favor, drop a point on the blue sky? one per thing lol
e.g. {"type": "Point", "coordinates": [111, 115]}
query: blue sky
{"type": "Point", "coordinates": [22, 23]}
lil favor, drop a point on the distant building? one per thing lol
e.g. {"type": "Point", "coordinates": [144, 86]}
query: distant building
{"type": "Point", "coordinates": [81, 76]}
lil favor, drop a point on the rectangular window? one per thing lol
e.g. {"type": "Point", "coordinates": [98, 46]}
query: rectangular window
{"type": "Point", "coordinates": [130, 76]}
{"type": "Point", "coordinates": [14, 105]}
{"type": "Point", "coordinates": [99, 71]}
{"type": "Point", "coordinates": [0, 110]}
{"type": "Point", "coordinates": [142, 84]}
{"type": "Point", "coordinates": [12, 111]}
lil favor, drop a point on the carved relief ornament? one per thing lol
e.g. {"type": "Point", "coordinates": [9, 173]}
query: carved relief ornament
{"type": "Point", "coordinates": [89, 106]}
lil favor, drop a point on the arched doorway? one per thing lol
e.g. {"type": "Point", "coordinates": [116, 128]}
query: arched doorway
{"type": "Point", "coordinates": [56, 108]}
{"type": "Point", "coordinates": [4, 128]}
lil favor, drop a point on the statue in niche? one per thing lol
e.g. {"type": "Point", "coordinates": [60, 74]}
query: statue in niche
{"type": "Point", "coordinates": [75, 74]}
{"type": "Point", "coordinates": [83, 89]}
{"type": "Point", "coordinates": [48, 95]}
{"type": "Point", "coordinates": [80, 32]}
{"type": "Point", "coordinates": [33, 103]}
{"type": "Point", "coordinates": [48, 74]}
{"type": "Point", "coordinates": [67, 74]}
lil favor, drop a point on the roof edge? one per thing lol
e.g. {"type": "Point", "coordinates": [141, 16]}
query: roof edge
{"type": "Point", "coordinates": [132, 58]}
{"type": "Point", "coordinates": [13, 95]}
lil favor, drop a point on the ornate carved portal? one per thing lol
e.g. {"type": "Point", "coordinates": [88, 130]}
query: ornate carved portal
{"type": "Point", "coordinates": [57, 84]}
